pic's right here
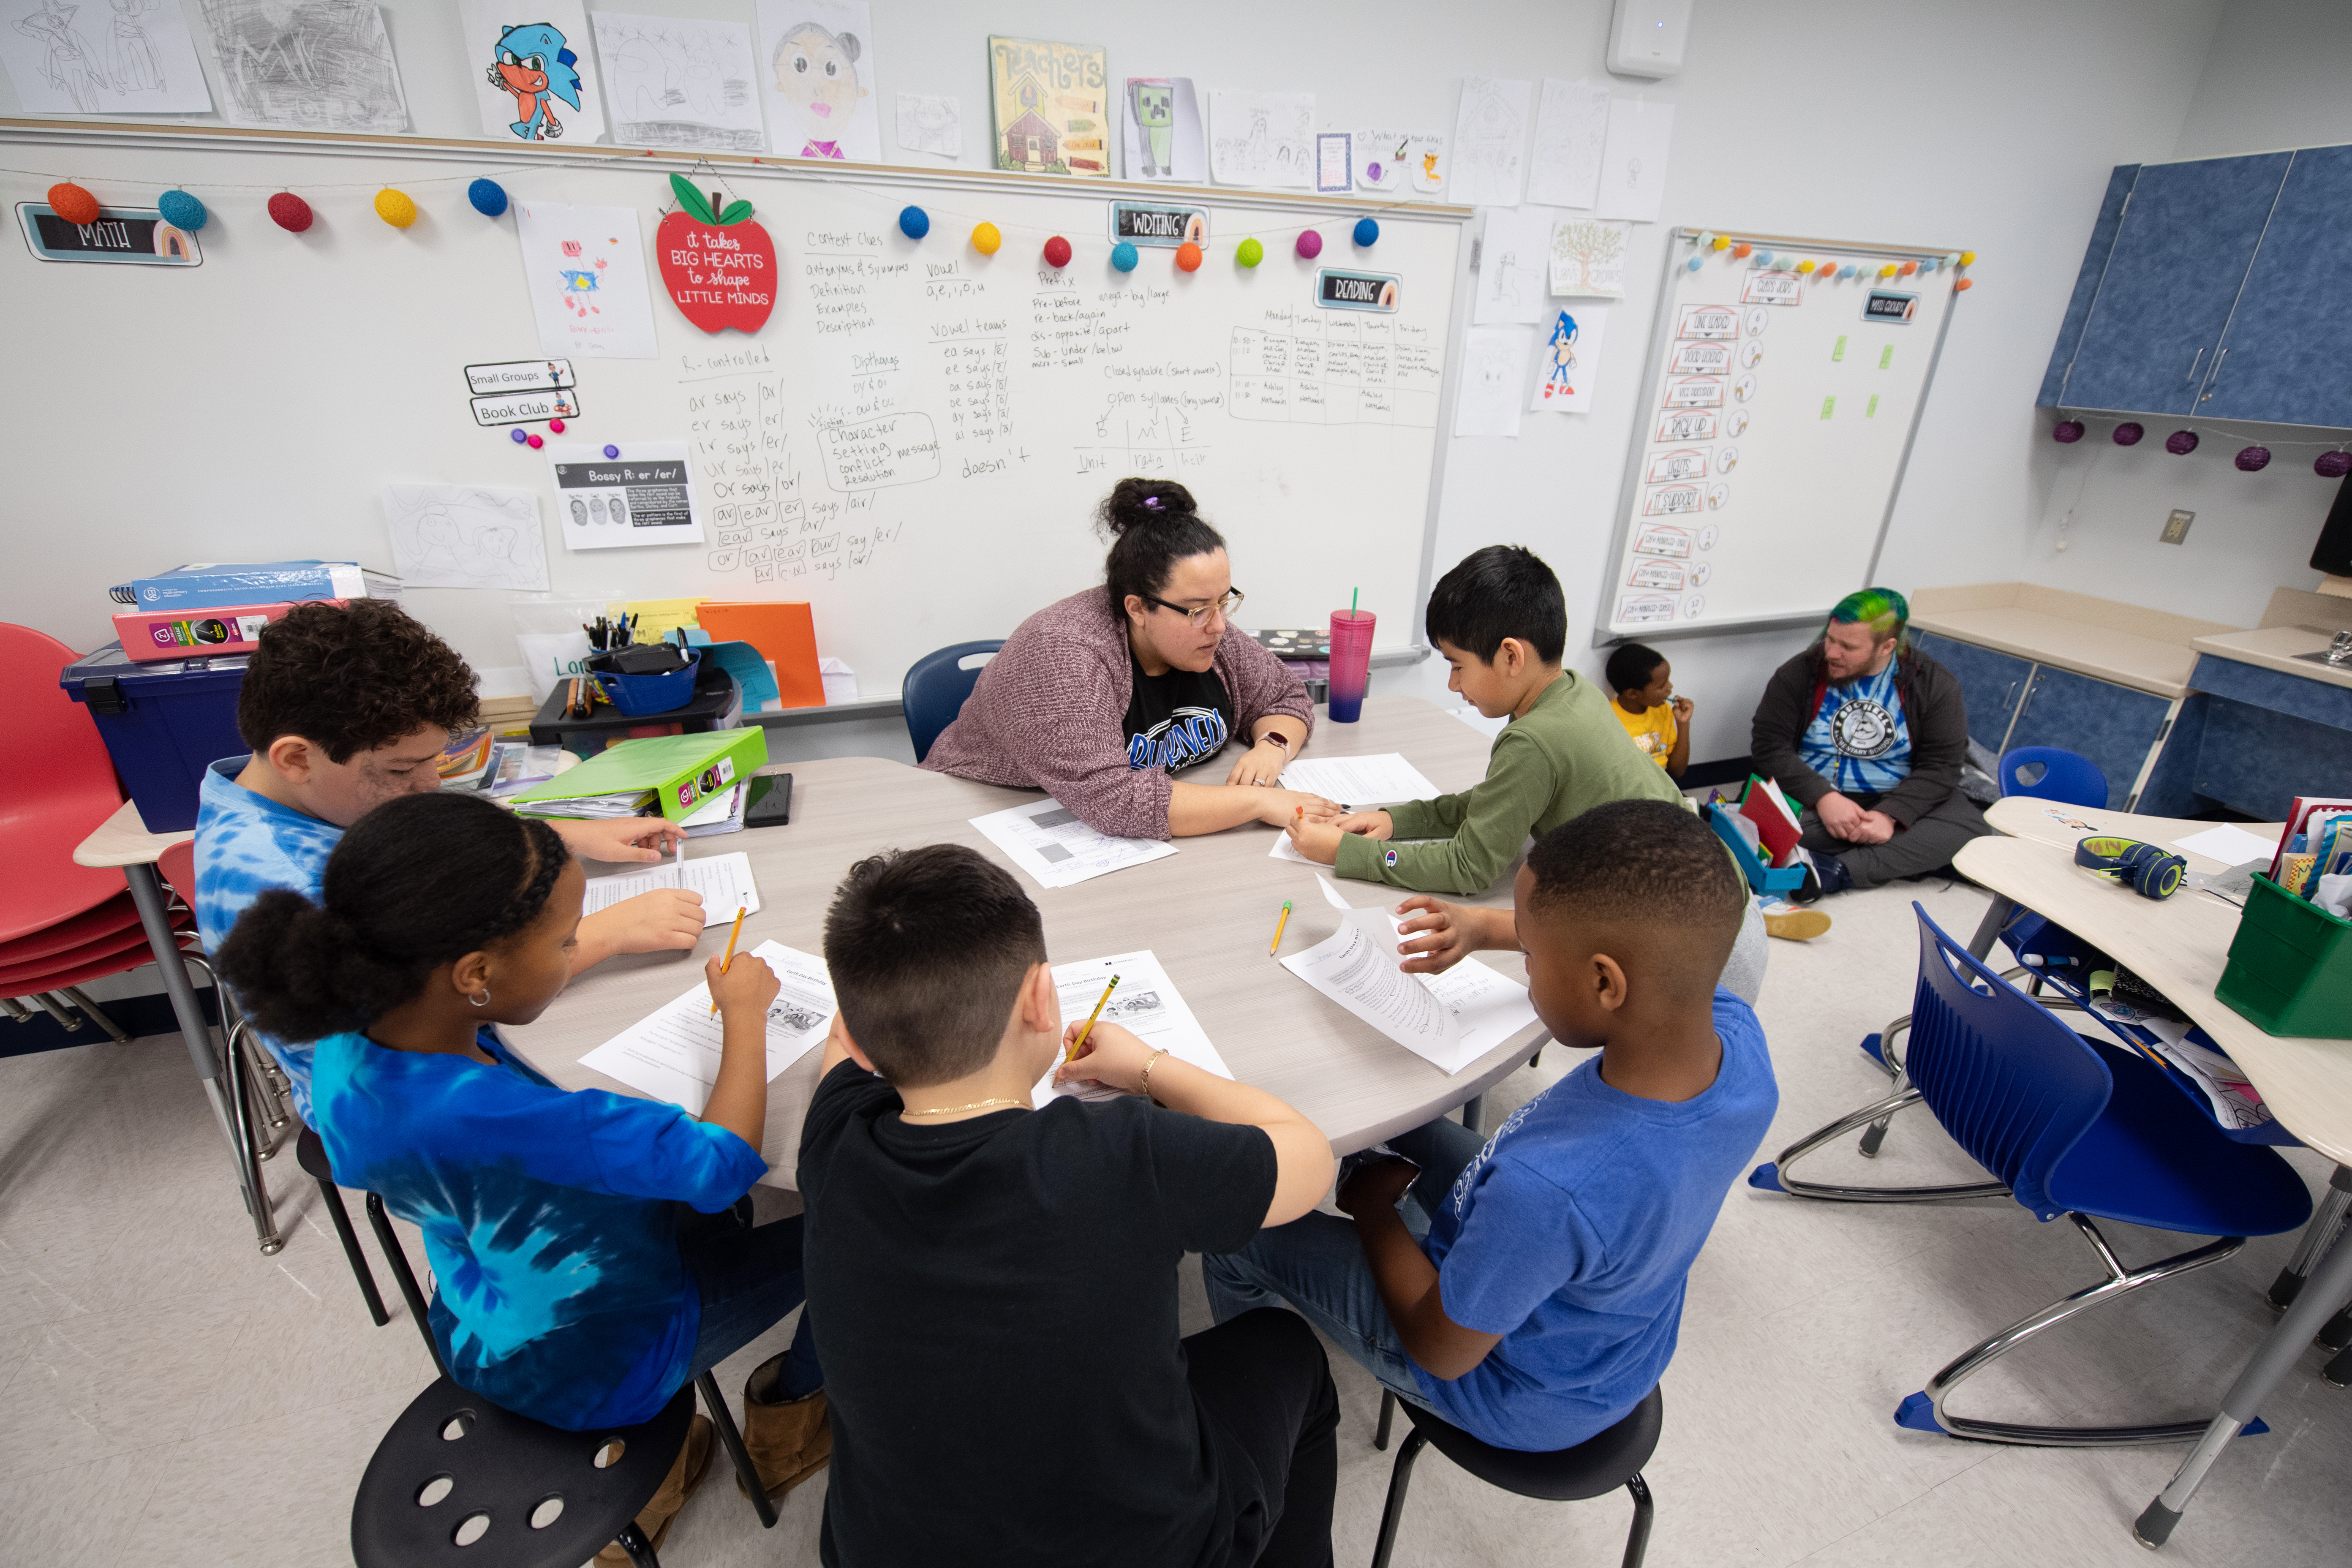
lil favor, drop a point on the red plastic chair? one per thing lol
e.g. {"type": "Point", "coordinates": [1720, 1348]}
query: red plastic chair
{"type": "Point", "coordinates": [118, 913]}
{"type": "Point", "coordinates": [61, 788]}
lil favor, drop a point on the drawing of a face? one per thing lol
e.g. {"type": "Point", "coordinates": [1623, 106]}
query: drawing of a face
{"type": "Point", "coordinates": [817, 74]}
{"type": "Point", "coordinates": [1155, 113]}
{"type": "Point", "coordinates": [579, 513]}
{"type": "Point", "coordinates": [522, 73]}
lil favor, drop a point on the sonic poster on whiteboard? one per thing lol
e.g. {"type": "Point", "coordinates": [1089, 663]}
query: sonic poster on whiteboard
{"type": "Point", "coordinates": [138, 235]}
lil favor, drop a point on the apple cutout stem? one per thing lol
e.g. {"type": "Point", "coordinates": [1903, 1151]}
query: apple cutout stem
{"type": "Point", "coordinates": [719, 266]}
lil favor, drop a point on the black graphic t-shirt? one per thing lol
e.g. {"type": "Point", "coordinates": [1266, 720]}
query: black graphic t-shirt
{"type": "Point", "coordinates": [1177, 719]}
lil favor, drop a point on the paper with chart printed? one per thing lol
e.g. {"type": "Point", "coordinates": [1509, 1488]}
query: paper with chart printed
{"type": "Point", "coordinates": [1046, 840]}
{"type": "Point", "coordinates": [1450, 1019]}
{"type": "Point", "coordinates": [1145, 1005]}
{"type": "Point", "coordinates": [723, 881]}
{"type": "Point", "coordinates": [674, 1054]}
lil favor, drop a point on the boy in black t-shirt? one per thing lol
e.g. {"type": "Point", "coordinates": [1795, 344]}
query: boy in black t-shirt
{"type": "Point", "coordinates": [995, 1287]}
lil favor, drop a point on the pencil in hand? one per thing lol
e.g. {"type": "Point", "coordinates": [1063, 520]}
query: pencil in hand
{"type": "Point", "coordinates": [739, 911]}
{"type": "Point", "coordinates": [1079, 1044]}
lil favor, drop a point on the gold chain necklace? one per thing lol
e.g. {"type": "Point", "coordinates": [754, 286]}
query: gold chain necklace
{"type": "Point", "coordinates": [975, 1105]}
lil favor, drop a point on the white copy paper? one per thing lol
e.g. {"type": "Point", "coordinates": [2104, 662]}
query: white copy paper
{"type": "Point", "coordinates": [1490, 137]}
{"type": "Point", "coordinates": [466, 536]}
{"type": "Point", "coordinates": [2229, 844]}
{"type": "Point", "coordinates": [816, 74]}
{"type": "Point", "coordinates": [1568, 357]}
{"type": "Point", "coordinates": [931, 122]}
{"type": "Point", "coordinates": [1046, 840]}
{"type": "Point", "coordinates": [584, 268]}
{"type": "Point", "coordinates": [1145, 1005]}
{"type": "Point", "coordinates": [1633, 167]}
{"type": "Point", "coordinates": [674, 1054]}
{"type": "Point", "coordinates": [1571, 130]}
{"type": "Point", "coordinates": [646, 496]}
{"type": "Point", "coordinates": [1359, 782]}
{"type": "Point", "coordinates": [1494, 378]}
{"type": "Point", "coordinates": [543, 116]}
{"type": "Point", "coordinates": [1450, 1019]}
{"type": "Point", "coordinates": [69, 58]}
{"type": "Point", "coordinates": [1514, 266]}
{"type": "Point", "coordinates": [723, 881]}
{"type": "Point", "coordinates": [1262, 139]}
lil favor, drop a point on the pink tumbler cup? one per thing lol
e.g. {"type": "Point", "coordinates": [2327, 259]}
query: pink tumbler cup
{"type": "Point", "coordinates": [1352, 662]}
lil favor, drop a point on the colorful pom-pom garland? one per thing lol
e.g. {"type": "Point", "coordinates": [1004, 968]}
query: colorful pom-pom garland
{"type": "Point", "coordinates": [2067, 432]}
{"type": "Point", "coordinates": [1188, 256]}
{"type": "Point", "coordinates": [396, 207]}
{"type": "Point", "coordinates": [1366, 233]}
{"type": "Point", "coordinates": [2180, 443]}
{"type": "Point", "coordinates": [2333, 464]}
{"type": "Point", "coordinates": [1057, 252]}
{"type": "Point", "coordinates": [1249, 253]}
{"type": "Point", "coordinates": [2252, 460]}
{"type": "Point", "coordinates": [290, 212]}
{"type": "Point", "coordinates": [1124, 255]}
{"type": "Point", "coordinates": [986, 237]}
{"type": "Point", "coordinates": [1310, 244]}
{"type": "Point", "coordinates": [182, 210]}
{"type": "Point", "coordinates": [914, 222]}
{"type": "Point", "coordinates": [2128, 432]}
{"type": "Point", "coordinates": [489, 197]}
{"type": "Point", "coordinates": [72, 202]}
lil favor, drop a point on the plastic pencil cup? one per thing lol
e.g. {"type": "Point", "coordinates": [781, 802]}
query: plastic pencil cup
{"type": "Point", "coordinates": [1352, 662]}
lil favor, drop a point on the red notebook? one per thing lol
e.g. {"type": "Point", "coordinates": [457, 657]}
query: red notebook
{"type": "Point", "coordinates": [1774, 816]}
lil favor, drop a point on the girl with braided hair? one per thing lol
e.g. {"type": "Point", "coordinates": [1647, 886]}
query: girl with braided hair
{"type": "Point", "coordinates": [571, 1286]}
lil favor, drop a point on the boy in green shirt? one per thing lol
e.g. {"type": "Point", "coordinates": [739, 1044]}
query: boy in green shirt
{"type": "Point", "coordinates": [1501, 622]}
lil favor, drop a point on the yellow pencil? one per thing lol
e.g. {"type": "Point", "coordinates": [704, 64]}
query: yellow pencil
{"type": "Point", "coordinates": [1285, 920]}
{"type": "Point", "coordinates": [723, 963]}
{"type": "Point", "coordinates": [1081, 1040]}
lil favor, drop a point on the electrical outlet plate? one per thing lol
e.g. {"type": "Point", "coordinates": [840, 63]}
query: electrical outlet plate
{"type": "Point", "coordinates": [2175, 527]}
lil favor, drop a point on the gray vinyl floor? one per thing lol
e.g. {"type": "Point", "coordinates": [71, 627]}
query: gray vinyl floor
{"type": "Point", "coordinates": [170, 1396]}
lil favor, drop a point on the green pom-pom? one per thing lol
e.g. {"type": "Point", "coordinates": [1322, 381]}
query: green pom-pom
{"type": "Point", "coordinates": [1249, 253]}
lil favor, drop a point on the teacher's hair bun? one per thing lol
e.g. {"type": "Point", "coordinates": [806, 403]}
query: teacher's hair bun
{"type": "Point", "coordinates": [1133, 502]}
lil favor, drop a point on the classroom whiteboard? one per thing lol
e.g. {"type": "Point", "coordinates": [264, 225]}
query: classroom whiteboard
{"type": "Point", "coordinates": [1778, 413]}
{"type": "Point", "coordinates": [915, 441]}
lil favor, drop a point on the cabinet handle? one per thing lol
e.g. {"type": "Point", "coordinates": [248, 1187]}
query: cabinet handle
{"type": "Point", "coordinates": [2214, 380]}
{"type": "Point", "coordinates": [2193, 364]}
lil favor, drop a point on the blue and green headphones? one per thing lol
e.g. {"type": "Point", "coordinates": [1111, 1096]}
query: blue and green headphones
{"type": "Point", "coordinates": [2142, 867]}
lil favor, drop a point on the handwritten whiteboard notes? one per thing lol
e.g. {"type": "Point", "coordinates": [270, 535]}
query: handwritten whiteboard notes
{"type": "Point", "coordinates": [1315, 367]}
{"type": "Point", "coordinates": [896, 449]}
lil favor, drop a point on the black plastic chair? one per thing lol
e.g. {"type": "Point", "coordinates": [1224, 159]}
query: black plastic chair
{"type": "Point", "coordinates": [457, 1479]}
{"type": "Point", "coordinates": [310, 1153]}
{"type": "Point", "coordinates": [1600, 1464]}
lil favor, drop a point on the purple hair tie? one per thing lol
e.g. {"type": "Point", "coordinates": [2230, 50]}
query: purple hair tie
{"type": "Point", "coordinates": [1152, 503]}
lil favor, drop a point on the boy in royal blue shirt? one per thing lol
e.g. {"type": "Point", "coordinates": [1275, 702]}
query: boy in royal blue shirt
{"type": "Point", "coordinates": [1543, 1303]}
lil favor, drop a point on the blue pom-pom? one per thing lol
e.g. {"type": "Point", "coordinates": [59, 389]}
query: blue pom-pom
{"type": "Point", "coordinates": [1693, 263]}
{"type": "Point", "coordinates": [489, 197]}
{"type": "Point", "coordinates": [1123, 256]}
{"type": "Point", "coordinates": [914, 222]}
{"type": "Point", "coordinates": [182, 210]}
{"type": "Point", "coordinates": [1367, 232]}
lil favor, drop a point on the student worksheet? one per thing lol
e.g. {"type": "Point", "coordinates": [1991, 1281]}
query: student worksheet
{"type": "Point", "coordinates": [1359, 782]}
{"type": "Point", "coordinates": [1145, 1003]}
{"type": "Point", "coordinates": [723, 881]}
{"type": "Point", "coordinates": [1450, 1019]}
{"type": "Point", "coordinates": [674, 1054]}
{"type": "Point", "coordinates": [1046, 840]}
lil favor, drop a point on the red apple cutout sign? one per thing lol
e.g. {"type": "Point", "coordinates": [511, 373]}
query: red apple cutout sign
{"type": "Point", "coordinates": [719, 266]}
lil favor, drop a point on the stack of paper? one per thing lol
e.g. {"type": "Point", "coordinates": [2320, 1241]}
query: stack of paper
{"type": "Point", "coordinates": [1046, 840]}
{"type": "Point", "coordinates": [634, 804]}
{"type": "Point", "coordinates": [1145, 1005]}
{"type": "Point", "coordinates": [1451, 1019]}
{"type": "Point", "coordinates": [723, 881]}
{"type": "Point", "coordinates": [722, 813]}
{"type": "Point", "coordinates": [674, 1054]}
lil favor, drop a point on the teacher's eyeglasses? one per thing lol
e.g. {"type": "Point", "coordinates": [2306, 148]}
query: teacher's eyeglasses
{"type": "Point", "coordinates": [1200, 617]}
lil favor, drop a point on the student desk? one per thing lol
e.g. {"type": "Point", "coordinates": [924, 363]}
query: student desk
{"type": "Point", "coordinates": [2180, 946]}
{"type": "Point", "coordinates": [1208, 912]}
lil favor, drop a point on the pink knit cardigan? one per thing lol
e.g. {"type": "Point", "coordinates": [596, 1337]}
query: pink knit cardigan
{"type": "Point", "coordinates": [1047, 712]}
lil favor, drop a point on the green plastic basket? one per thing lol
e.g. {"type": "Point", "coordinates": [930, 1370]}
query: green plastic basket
{"type": "Point", "coordinates": [2290, 966]}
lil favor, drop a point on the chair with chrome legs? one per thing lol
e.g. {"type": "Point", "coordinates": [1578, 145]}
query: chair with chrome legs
{"type": "Point", "coordinates": [1600, 1464]}
{"type": "Point", "coordinates": [2073, 1126]}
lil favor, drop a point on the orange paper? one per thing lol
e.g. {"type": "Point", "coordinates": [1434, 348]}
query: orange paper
{"type": "Point", "coordinates": [783, 631]}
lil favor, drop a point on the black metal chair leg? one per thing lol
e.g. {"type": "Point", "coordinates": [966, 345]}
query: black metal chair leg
{"type": "Point", "coordinates": [2338, 1372]}
{"type": "Point", "coordinates": [396, 1255]}
{"type": "Point", "coordinates": [2339, 1332]}
{"type": "Point", "coordinates": [350, 1239]}
{"type": "Point", "coordinates": [1637, 1540]}
{"type": "Point", "coordinates": [1392, 1511]}
{"type": "Point", "coordinates": [740, 1457]}
{"type": "Point", "coordinates": [1388, 1414]}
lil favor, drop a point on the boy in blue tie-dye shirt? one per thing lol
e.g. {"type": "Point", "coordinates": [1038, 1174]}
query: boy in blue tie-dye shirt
{"type": "Point", "coordinates": [345, 709]}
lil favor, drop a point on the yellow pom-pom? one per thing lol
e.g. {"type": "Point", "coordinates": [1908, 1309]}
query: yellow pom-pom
{"type": "Point", "coordinates": [1967, 256]}
{"type": "Point", "coordinates": [1888, 270]}
{"type": "Point", "coordinates": [1723, 242]}
{"type": "Point", "coordinates": [985, 239]}
{"type": "Point", "coordinates": [396, 208]}
{"type": "Point", "coordinates": [1804, 267]}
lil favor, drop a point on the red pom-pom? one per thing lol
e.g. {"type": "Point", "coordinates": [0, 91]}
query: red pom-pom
{"type": "Point", "coordinates": [1057, 252]}
{"type": "Point", "coordinates": [72, 202]}
{"type": "Point", "coordinates": [290, 212]}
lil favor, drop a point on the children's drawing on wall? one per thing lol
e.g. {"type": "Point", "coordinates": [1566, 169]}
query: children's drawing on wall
{"type": "Point", "coordinates": [585, 271]}
{"type": "Point", "coordinates": [1164, 130]}
{"type": "Point", "coordinates": [533, 79]}
{"type": "Point", "coordinates": [102, 56]}
{"type": "Point", "coordinates": [1051, 107]}
{"type": "Point", "coordinates": [1513, 257]}
{"type": "Point", "coordinates": [1633, 165]}
{"type": "Point", "coordinates": [1587, 257]}
{"type": "Point", "coordinates": [679, 83]}
{"type": "Point", "coordinates": [1262, 139]}
{"type": "Point", "coordinates": [1399, 160]}
{"type": "Point", "coordinates": [1493, 369]}
{"type": "Point", "coordinates": [324, 65]}
{"type": "Point", "coordinates": [1571, 131]}
{"type": "Point", "coordinates": [1490, 133]}
{"type": "Point", "coordinates": [466, 536]}
{"type": "Point", "coordinates": [929, 122]}
{"type": "Point", "coordinates": [1572, 361]}
{"type": "Point", "coordinates": [817, 75]}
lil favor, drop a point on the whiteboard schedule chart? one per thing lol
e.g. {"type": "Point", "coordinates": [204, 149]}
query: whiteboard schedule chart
{"type": "Point", "coordinates": [1779, 409]}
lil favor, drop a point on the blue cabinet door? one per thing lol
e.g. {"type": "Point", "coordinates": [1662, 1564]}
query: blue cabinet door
{"type": "Point", "coordinates": [2086, 283]}
{"type": "Point", "coordinates": [1991, 682]}
{"type": "Point", "coordinates": [2287, 358]}
{"type": "Point", "coordinates": [2188, 234]}
{"type": "Point", "coordinates": [2113, 725]}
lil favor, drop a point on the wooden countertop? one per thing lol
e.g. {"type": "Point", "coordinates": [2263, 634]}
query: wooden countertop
{"type": "Point", "coordinates": [2145, 664]}
{"type": "Point", "coordinates": [2275, 648]}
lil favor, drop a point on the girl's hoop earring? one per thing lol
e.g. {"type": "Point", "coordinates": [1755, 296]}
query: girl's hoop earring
{"type": "Point", "coordinates": [483, 1000]}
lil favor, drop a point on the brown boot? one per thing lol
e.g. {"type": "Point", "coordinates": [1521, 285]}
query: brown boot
{"type": "Point", "coordinates": [655, 1518]}
{"type": "Point", "coordinates": [789, 1439]}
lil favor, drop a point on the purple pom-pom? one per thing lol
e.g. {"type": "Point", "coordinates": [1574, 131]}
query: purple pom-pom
{"type": "Point", "coordinates": [2180, 443]}
{"type": "Point", "coordinates": [2128, 432]}
{"type": "Point", "coordinates": [2068, 432]}
{"type": "Point", "coordinates": [2255, 459]}
{"type": "Point", "coordinates": [2333, 464]}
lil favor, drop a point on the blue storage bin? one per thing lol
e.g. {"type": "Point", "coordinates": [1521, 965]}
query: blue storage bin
{"type": "Point", "coordinates": [1763, 879]}
{"type": "Point", "coordinates": [163, 723]}
{"type": "Point", "coordinates": [645, 696]}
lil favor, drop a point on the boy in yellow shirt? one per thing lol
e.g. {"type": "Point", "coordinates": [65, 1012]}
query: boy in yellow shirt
{"type": "Point", "coordinates": [1646, 705]}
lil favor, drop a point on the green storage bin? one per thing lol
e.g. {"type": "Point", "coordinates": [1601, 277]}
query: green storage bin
{"type": "Point", "coordinates": [2290, 966]}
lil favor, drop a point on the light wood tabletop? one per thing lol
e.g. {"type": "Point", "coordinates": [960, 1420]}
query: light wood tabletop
{"type": "Point", "coordinates": [2179, 945]}
{"type": "Point", "coordinates": [123, 839]}
{"type": "Point", "coordinates": [1208, 912]}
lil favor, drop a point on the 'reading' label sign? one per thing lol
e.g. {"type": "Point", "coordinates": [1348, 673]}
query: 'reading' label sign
{"type": "Point", "coordinates": [1339, 291]}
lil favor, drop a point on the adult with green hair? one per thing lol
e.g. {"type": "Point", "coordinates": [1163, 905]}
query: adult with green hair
{"type": "Point", "coordinates": [1868, 735]}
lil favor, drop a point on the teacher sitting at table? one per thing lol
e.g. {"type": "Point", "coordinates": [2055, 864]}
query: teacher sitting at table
{"type": "Point", "coordinates": [1097, 698]}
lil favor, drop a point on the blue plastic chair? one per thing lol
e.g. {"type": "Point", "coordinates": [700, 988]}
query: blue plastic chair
{"type": "Point", "coordinates": [2066, 777]}
{"type": "Point", "coordinates": [2073, 1126]}
{"type": "Point", "coordinates": [935, 689]}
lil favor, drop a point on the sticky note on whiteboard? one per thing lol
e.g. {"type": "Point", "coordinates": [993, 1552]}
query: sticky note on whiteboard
{"type": "Point", "coordinates": [1829, 405]}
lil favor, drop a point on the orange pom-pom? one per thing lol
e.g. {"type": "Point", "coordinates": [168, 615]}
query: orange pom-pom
{"type": "Point", "coordinates": [1741, 252]}
{"type": "Point", "coordinates": [1188, 256]}
{"type": "Point", "coordinates": [1964, 283]}
{"type": "Point", "coordinates": [72, 202]}
{"type": "Point", "coordinates": [1908, 268]}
